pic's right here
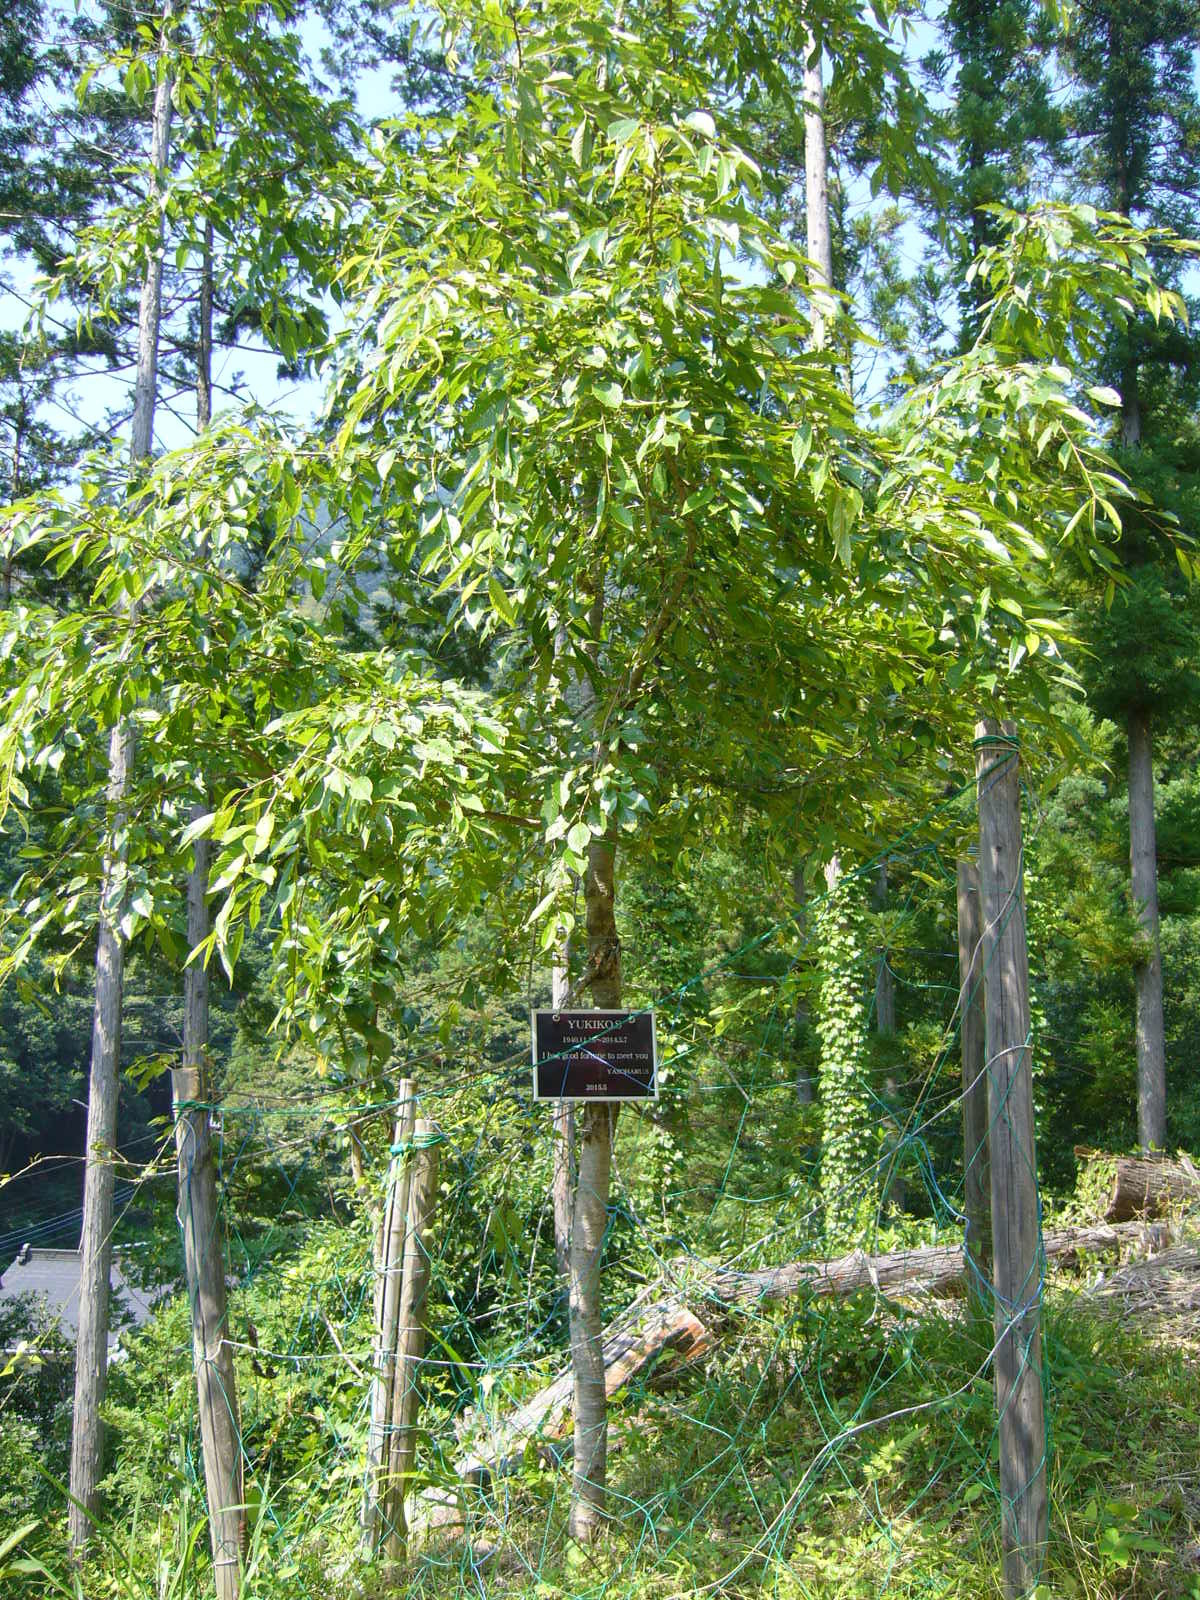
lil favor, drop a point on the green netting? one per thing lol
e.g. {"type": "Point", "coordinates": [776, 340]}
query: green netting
{"type": "Point", "coordinates": [806, 1443]}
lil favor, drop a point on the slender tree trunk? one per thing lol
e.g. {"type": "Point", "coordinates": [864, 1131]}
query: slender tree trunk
{"type": "Point", "coordinates": [91, 1350]}
{"type": "Point", "coordinates": [1131, 408]}
{"type": "Point", "coordinates": [1143, 861]}
{"type": "Point", "coordinates": [95, 1245]}
{"type": "Point", "coordinates": [14, 475]}
{"type": "Point", "coordinates": [1143, 850]}
{"type": "Point", "coordinates": [816, 189]}
{"type": "Point", "coordinates": [199, 1209]}
{"type": "Point", "coordinates": [563, 1172]}
{"type": "Point", "coordinates": [562, 1176]}
{"type": "Point", "coordinates": [805, 1093]}
{"type": "Point", "coordinates": [204, 344]}
{"type": "Point", "coordinates": [594, 1136]}
{"type": "Point", "coordinates": [885, 984]}
{"type": "Point", "coordinates": [204, 1256]}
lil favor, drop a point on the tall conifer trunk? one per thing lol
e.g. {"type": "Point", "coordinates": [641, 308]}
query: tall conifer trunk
{"type": "Point", "coordinates": [804, 1084]}
{"type": "Point", "coordinates": [816, 188]}
{"type": "Point", "coordinates": [91, 1349]}
{"type": "Point", "coordinates": [1143, 844]}
{"type": "Point", "coordinates": [1143, 862]}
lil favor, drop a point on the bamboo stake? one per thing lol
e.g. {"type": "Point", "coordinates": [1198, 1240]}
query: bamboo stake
{"type": "Point", "coordinates": [410, 1337]}
{"type": "Point", "coordinates": [387, 1315]}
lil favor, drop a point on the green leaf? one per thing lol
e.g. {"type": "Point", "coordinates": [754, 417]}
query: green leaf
{"type": "Point", "coordinates": [501, 603]}
{"type": "Point", "coordinates": [1103, 395]}
{"type": "Point", "coordinates": [19, 1536]}
{"type": "Point", "coordinates": [579, 837]}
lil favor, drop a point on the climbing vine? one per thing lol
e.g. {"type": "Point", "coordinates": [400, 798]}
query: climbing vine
{"type": "Point", "coordinates": [848, 1139]}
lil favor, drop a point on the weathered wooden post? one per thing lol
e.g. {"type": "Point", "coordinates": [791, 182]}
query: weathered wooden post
{"type": "Point", "coordinates": [387, 1308]}
{"type": "Point", "coordinates": [1016, 1233]}
{"type": "Point", "coordinates": [977, 1193]}
{"type": "Point", "coordinates": [410, 1336]}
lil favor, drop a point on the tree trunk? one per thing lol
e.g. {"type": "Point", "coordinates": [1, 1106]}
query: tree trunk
{"type": "Point", "coordinates": [563, 1133]}
{"type": "Point", "coordinates": [199, 1207]}
{"type": "Point", "coordinates": [1131, 408]}
{"type": "Point", "coordinates": [95, 1245]}
{"type": "Point", "coordinates": [91, 1349]}
{"type": "Point", "coordinates": [885, 984]}
{"type": "Point", "coordinates": [1143, 861]}
{"type": "Point", "coordinates": [589, 1224]}
{"type": "Point", "coordinates": [204, 345]}
{"type": "Point", "coordinates": [805, 1093]}
{"type": "Point", "coordinates": [204, 1256]}
{"type": "Point", "coordinates": [579, 698]}
{"type": "Point", "coordinates": [816, 189]}
{"type": "Point", "coordinates": [20, 424]}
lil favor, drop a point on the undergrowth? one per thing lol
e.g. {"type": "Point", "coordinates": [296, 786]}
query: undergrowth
{"type": "Point", "coordinates": [763, 1473]}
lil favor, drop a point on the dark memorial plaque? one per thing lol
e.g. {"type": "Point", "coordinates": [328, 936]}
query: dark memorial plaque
{"type": "Point", "coordinates": [594, 1055]}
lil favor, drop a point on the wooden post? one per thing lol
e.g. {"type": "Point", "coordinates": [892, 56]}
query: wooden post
{"type": "Point", "coordinates": [1019, 1260]}
{"type": "Point", "coordinates": [390, 1268]}
{"type": "Point", "coordinates": [410, 1336]}
{"type": "Point", "coordinates": [977, 1181]}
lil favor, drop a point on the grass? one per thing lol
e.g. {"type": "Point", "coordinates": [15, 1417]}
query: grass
{"type": "Point", "coordinates": [819, 1454]}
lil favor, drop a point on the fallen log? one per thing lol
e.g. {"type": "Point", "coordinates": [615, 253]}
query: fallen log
{"type": "Point", "coordinates": [661, 1324]}
{"type": "Point", "coordinates": [1147, 1185]}
{"type": "Point", "coordinates": [644, 1333]}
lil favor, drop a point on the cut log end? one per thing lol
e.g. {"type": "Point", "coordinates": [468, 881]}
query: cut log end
{"type": "Point", "coordinates": [1146, 1185]}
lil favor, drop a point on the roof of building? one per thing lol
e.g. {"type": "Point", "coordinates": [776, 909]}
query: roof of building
{"type": "Point", "coordinates": [52, 1276]}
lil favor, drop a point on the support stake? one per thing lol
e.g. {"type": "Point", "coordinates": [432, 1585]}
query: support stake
{"type": "Point", "coordinates": [387, 1302]}
{"type": "Point", "coordinates": [1019, 1260]}
{"type": "Point", "coordinates": [410, 1336]}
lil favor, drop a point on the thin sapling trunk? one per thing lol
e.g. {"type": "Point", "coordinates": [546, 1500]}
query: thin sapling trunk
{"type": "Point", "coordinates": [95, 1251]}
{"type": "Point", "coordinates": [594, 1135]}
